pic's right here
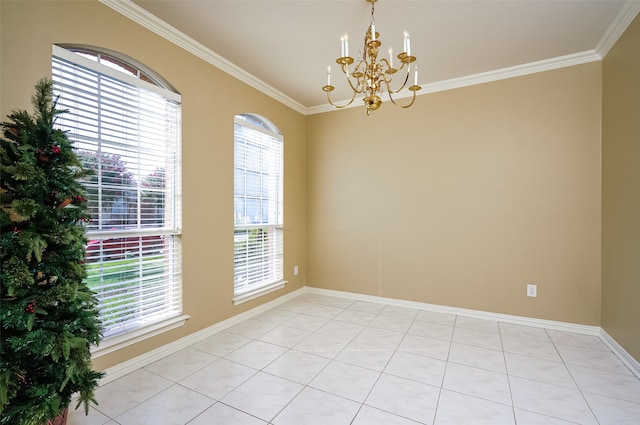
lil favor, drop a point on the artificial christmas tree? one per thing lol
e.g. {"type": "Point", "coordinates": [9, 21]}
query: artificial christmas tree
{"type": "Point", "coordinates": [49, 317]}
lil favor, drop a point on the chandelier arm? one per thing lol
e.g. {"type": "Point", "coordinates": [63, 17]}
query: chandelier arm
{"type": "Point", "coordinates": [339, 106]}
{"type": "Point", "coordinates": [387, 83]}
{"type": "Point", "coordinates": [356, 89]}
{"type": "Point", "coordinates": [387, 65]}
{"type": "Point", "coordinates": [413, 99]}
{"type": "Point", "coordinates": [371, 76]}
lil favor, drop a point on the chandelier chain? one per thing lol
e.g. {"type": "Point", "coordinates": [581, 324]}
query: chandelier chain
{"type": "Point", "coordinates": [373, 5]}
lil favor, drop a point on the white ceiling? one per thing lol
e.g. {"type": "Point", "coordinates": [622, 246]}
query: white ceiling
{"type": "Point", "coordinates": [284, 46]}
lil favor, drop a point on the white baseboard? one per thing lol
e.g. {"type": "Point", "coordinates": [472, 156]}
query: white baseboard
{"type": "Point", "coordinates": [145, 359]}
{"type": "Point", "coordinates": [622, 354]}
{"type": "Point", "coordinates": [506, 318]}
{"type": "Point", "coordinates": [149, 357]}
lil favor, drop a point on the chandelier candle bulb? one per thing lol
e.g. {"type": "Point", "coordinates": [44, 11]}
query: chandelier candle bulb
{"type": "Point", "coordinates": [404, 45]}
{"type": "Point", "coordinates": [390, 57]}
{"type": "Point", "coordinates": [415, 77]}
{"type": "Point", "coordinates": [328, 75]}
{"type": "Point", "coordinates": [373, 31]}
{"type": "Point", "coordinates": [342, 46]}
{"type": "Point", "coordinates": [346, 45]}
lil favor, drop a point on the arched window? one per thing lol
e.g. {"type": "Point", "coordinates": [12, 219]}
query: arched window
{"type": "Point", "coordinates": [124, 122]}
{"type": "Point", "coordinates": [258, 207]}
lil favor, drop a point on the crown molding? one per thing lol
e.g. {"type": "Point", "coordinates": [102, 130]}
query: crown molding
{"type": "Point", "coordinates": [161, 28]}
{"type": "Point", "coordinates": [627, 14]}
{"type": "Point", "coordinates": [486, 77]}
{"type": "Point", "coordinates": [514, 71]}
{"type": "Point", "coordinates": [137, 14]}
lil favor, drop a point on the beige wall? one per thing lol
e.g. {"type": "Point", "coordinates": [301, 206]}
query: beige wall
{"type": "Point", "coordinates": [621, 191]}
{"type": "Point", "coordinates": [464, 198]}
{"type": "Point", "coordinates": [210, 98]}
{"type": "Point", "coordinates": [460, 200]}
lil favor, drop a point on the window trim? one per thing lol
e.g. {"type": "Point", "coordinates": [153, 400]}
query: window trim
{"type": "Point", "coordinates": [269, 129]}
{"type": "Point", "coordinates": [258, 292]}
{"type": "Point", "coordinates": [69, 55]}
{"type": "Point", "coordinates": [160, 87]}
{"type": "Point", "coordinates": [120, 341]}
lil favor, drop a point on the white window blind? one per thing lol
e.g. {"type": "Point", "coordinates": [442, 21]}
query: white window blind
{"type": "Point", "coordinates": [127, 132]}
{"type": "Point", "coordinates": [258, 231]}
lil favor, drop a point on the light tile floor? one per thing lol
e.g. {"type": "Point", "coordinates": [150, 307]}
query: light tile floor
{"type": "Point", "coordinates": [319, 360]}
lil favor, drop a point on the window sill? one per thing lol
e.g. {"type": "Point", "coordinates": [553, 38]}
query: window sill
{"type": "Point", "coordinates": [117, 342]}
{"type": "Point", "coordinates": [255, 293]}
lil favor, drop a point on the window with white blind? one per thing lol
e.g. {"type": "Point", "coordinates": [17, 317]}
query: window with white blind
{"type": "Point", "coordinates": [258, 223]}
{"type": "Point", "coordinates": [126, 129]}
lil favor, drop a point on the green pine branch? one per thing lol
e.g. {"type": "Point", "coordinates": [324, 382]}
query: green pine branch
{"type": "Point", "coordinates": [48, 314]}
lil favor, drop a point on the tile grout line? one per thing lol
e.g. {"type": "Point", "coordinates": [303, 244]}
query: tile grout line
{"type": "Point", "coordinates": [373, 328]}
{"type": "Point", "coordinates": [444, 373]}
{"type": "Point", "coordinates": [506, 367]}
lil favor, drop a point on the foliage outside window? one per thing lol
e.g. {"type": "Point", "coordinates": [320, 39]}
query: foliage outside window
{"type": "Point", "coordinates": [126, 130]}
{"type": "Point", "coordinates": [258, 222]}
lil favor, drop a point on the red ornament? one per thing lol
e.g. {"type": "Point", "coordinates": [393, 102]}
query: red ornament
{"type": "Point", "coordinates": [55, 149]}
{"type": "Point", "coordinates": [30, 308]}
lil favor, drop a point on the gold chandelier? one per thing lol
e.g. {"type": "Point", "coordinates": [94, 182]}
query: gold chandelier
{"type": "Point", "coordinates": [370, 76]}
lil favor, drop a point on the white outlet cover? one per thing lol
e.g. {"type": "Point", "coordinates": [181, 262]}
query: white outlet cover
{"type": "Point", "coordinates": [532, 290]}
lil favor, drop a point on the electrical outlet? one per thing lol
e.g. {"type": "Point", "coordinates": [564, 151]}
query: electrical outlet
{"type": "Point", "coordinates": [295, 270]}
{"type": "Point", "coordinates": [532, 290]}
